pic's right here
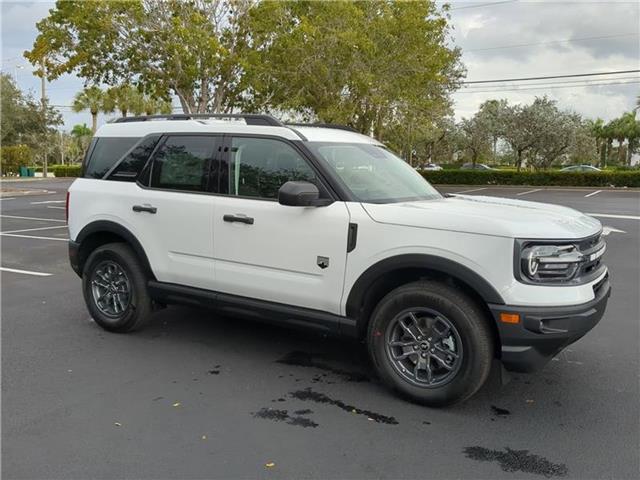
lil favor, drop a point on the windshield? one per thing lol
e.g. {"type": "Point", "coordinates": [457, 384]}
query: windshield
{"type": "Point", "coordinates": [373, 174]}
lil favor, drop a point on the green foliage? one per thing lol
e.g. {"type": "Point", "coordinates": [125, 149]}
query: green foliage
{"type": "Point", "coordinates": [540, 178]}
{"type": "Point", "coordinates": [95, 100]}
{"type": "Point", "coordinates": [12, 157]}
{"type": "Point", "coordinates": [22, 118]}
{"type": "Point", "coordinates": [66, 170]}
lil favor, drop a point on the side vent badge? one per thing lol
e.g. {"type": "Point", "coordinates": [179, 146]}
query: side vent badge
{"type": "Point", "coordinates": [323, 262]}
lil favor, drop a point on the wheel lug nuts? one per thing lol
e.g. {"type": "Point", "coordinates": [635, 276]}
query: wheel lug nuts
{"type": "Point", "coordinates": [424, 355]}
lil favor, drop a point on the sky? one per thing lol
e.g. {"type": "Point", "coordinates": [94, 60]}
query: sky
{"type": "Point", "coordinates": [500, 39]}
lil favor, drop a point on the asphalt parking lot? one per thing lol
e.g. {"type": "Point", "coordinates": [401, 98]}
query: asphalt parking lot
{"type": "Point", "coordinates": [195, 396]}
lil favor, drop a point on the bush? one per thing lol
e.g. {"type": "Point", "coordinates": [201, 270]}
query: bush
{"type": "Point", "coordinates": [66, 170]}
{"type": "Point", "coordinates": [543, 178]}
{"type": "Point", "coordinates": [12, 157]}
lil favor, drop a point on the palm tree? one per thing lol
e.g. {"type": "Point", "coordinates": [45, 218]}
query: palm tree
{"type": "Point", "coordinates": [153, 105]}
{"type": "Point", "coordinates": [94, 100]}
{"type": "Point", "coordinates": [597, 129]}
{"type": "Point", "coordinates": [126, 98]}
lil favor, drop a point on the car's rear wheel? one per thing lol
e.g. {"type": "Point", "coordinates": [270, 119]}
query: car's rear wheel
{"type": "Point", "coordinates": [115, 288]}
{"type": "Point", "coordinates": [430, 342]}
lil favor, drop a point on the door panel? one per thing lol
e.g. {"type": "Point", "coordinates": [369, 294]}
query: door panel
{"type": "Point", "coordinates": [292, 255]}
{"type": "Point", "coordinates": [175, 213]}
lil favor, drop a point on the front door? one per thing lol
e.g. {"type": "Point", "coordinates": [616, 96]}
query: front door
{"type": "Point", "coordinates": [268, 251]}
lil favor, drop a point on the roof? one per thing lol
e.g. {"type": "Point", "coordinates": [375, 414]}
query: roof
{"type": "Point", "coordinates": [246, 124]}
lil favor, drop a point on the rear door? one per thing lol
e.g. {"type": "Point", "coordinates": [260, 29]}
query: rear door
{"type": "Point", "coordinates": [268, 251]}
{"type": "Point", "coordinates": [173, 209]}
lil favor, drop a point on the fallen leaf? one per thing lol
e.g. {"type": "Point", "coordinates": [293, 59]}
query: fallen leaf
{"type": "Point", "coordinates": [177, 404]}
{"type": "Point", "coordinates": [270, 465]}
{"type": "Point", "coordinates": [530, 401]}
{"type": "Point", "coordinates": [117, 424]}
{"type": "Point", "coordinates": [204, 437]}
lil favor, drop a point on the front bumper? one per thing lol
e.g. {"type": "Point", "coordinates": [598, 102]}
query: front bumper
{"type": "Point", "coordinates": [542, 332]}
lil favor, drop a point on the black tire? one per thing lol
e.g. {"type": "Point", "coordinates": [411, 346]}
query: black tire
{"type": "Point", "coordinates": [108, 258]}
{"type": "Point", "coordinates": [432, 303]}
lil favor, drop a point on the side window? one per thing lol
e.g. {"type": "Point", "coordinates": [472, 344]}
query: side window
{"type": "Point", "coordinates": [258, 167]}
{"type": "Point", "coordinates": [106, 152]}
{"type": "Point", "coordinates": [182, 163]}
{"type": "Point", "coordinates": [129, 168]}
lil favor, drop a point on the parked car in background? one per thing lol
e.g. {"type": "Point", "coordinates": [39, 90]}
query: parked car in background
{"type": "Point", "coordinates": [430, 166]}
{"type": "Point", "coordinates": [581, 168]}
{"type": "Point", "coordinates": [477, 166]}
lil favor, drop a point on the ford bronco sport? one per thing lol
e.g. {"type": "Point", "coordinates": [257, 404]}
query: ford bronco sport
{"type": "Point", "coordinates": [322, 227]}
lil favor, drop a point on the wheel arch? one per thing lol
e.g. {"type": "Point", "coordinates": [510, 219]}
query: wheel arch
{"type": "Point", "coordinates": [101, 232]}
{"type": "Point", "coordinates": [390, 273]}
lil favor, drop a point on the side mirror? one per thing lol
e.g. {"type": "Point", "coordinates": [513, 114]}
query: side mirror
{"type": "Point", "coordinates": [301, 194]}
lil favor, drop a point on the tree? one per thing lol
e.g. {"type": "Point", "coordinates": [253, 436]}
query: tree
{"type": "Point", "coordinates": [153, 105]}
{"type": "Point", "coordinates": [367, 64]}
{"type": "Point", "coordinates": [22, 120]}
{"type": "Point", "coordinates": [94, 100]}
{"type": "Point", "coordinates": [519, 131]}
{"type": "Point", "coordinates": [125, 98]}
{"type": "Point", "coordinates": [492, 114]}
{"type": "Point", "coordinates": [192, 49]}
{"type": "Point", "coordinates": [81, 135]}
{"type": "Point", "coordinates": [598, 132]}
{"type": "Point", "coordinates": [475, 137]}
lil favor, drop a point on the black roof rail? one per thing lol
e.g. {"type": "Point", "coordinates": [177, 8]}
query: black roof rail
{"type": "Point", "coordinates": [324, 125]}
{"type": "Point", "coordinates": [249, 118]}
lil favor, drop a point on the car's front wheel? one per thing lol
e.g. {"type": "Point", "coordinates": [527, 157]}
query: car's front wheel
{"type": "Point", "coordinates": [115, 288]}
{"type": "Point", "coordinates": [430, 342]}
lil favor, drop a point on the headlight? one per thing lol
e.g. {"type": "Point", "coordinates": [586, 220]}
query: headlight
{"type": "Point", "coordinates": [550, 263]}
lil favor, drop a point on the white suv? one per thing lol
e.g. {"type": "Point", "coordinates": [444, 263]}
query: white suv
{"type": "Point", "coordinates": [319, 226]}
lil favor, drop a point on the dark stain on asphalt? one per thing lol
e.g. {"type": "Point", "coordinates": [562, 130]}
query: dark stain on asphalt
{"type": "Point", "coordinates": [304, 411]}
{"type": "Point", "coordinates": [214, 371]}
{"type": "Point", "coordinates": [305, 359]}
{"type": "Point", "coordinates": [426, 423]}
{"type": "Point", "coordinates": [309, 395]}
{"type": "Point", "coordinates": [283, 416]}
{"type": "Point", "coordinates": [501, 412]}
{"type": "Point", "coordinates": [517, 461]}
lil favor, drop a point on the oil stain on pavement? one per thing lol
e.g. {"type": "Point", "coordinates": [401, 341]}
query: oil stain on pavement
{"type": "Point", "coordinates": [517, 461]}
{"type": "Point", "coordinates": [283, 416]}
{"type": "Point", "coordinates": [305, 359]}
{"type": "Point", "coordinates": [312, 396]}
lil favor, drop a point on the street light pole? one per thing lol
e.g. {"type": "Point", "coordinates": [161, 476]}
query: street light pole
{"type": "Point", "coordinates": [43, 99]}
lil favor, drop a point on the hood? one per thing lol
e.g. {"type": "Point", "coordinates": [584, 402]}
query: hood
{"type": "Point", "coordinates": [488, 216]}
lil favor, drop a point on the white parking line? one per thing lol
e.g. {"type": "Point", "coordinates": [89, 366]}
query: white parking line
{"type": "Point", "coordinates": [529, 191]}
{"type": "Point", "coordinates": [61, 208]}
{"type": "Point", "coordinates": [472, 190]}
{"type": "Point", "coordinates": [12, 198]}
{"type": "Point", "coordinates": [592, 193]}
{"type": "Point", "coordinates": [34, 229]}
{"type": "Point", "coordinates": [25, 272]}
{"type": "Point", "coordinates": [33, 236]}
{"type": "Point", "coordinates": [33, 218]}
{"type": "Point", "coordinates": [611, 215]}
{"type": "Point", "coordinates": [48, 201]}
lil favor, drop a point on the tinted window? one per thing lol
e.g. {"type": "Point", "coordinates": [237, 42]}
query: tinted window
{"type": "Point", "coordinates": [182, 163]}
{"type": "Point", "coordinates": [135, 160]}
{"type": "Point", "coordinates": [106, 152]}
{"type": "Point", "coordinates": [258, 167]}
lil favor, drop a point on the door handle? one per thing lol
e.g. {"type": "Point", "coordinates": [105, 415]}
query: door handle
{"type": "Point", "coordinates": [238, 218]}
{"type": "Point", "coordinates": [144, 208]}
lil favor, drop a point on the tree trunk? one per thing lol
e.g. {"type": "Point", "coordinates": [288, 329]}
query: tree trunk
{"type": "Point", "coordinates": [94, 122]}
{"type": "Point", "coordinates": [519, 160]}
{"type": "Point", "coordinates": [620, 152]}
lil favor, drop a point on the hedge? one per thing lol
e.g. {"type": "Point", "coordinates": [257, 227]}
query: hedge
{"type": "Point", "coordinates": [543, 178]}
{"type": "Point", "coordinates": [65, 170]}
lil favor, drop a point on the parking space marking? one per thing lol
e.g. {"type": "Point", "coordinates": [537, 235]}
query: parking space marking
{"type": "Point", "coordinates": [529, 191]}
{"type": "Point", "coordinates": [472, 190]}
{"type": "Point", "coordinates": [33, 236]}
{"type": "Point", "coordinates": [611, 215]}
{"type": "Point", "coordinates": [11, 198]}
{"type": "Point", "coordinates": [47, 201]}
{"type": "Point", "coordinates": [592, 193]}
{"type": "Point", "coordinates": [25, 272]}
{"type": "Point", "coordinates": [61, 208]}
{"type": "Point", "coordinates": [34, 229]}
{"type": "Point", "coordinates": [33, 218]}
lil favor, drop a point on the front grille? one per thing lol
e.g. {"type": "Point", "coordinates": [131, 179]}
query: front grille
{"type": "Point", "coordinates": [589, 247]}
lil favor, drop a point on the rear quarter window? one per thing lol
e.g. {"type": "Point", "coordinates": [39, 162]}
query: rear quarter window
{"type": "Point", "coordinates": [105, 153]}
{"type": "Point", "coordinates": [132, 164]}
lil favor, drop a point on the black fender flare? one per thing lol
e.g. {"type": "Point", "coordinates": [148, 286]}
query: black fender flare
{"type": "Point", "coordinates": [99, 226]}
{"type": "Point", "coordinates": [421, 261]}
